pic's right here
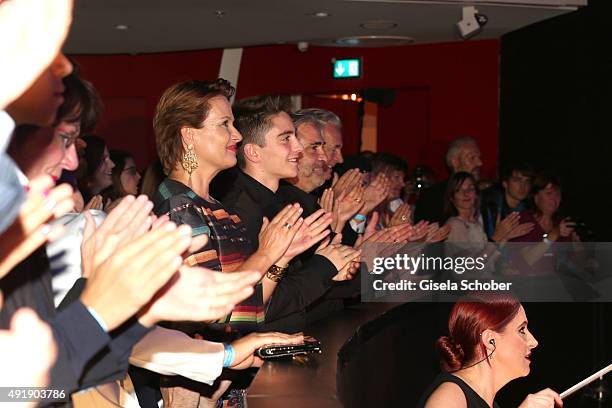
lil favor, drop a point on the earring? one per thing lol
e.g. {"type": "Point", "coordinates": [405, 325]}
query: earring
{"type": "Point", "coordinates": [189, 160]}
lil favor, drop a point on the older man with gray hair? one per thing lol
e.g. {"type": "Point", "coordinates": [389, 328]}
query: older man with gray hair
{"type": "Point", "coordinates": [462, 154]}
{"type": "Point", "coordinates": [331, 130]}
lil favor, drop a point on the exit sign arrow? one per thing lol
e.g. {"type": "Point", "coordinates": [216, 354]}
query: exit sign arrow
{"type": "Point", "coordinates": [347, 68]}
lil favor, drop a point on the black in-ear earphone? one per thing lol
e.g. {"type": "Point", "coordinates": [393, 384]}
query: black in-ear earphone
{"type": "Point", "coordinates": [491, 342]}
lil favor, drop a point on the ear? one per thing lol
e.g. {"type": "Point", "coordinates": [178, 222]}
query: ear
{"type": "Point", "coordinates": [490, 339]}
{"type": "Point", "coordinates": [187, 135]}
{"type": "Point", "coordinates": [454, 163]}
{"type": "Point", "coordinates": [252, 152]}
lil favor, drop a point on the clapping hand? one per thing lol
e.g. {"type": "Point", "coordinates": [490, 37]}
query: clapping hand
{"type": "Point", "coordinates": [30, 229]}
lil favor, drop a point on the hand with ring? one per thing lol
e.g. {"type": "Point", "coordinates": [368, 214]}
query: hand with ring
{"type": "Point", "coordinates": [275, 236]}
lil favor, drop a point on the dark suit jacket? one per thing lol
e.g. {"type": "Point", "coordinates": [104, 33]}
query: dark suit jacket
{"type": "Point", "coordinates": [307, 279]}
{"type": "Point", "coordinates": [87, 355]}
{"type": "Point", "coordinates": [430, 205]}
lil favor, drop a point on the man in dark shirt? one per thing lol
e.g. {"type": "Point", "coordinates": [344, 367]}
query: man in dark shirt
{"type": "Point", "coordinates": [269, 153]}
{"type": "Point", "coordinates": [462, 154]}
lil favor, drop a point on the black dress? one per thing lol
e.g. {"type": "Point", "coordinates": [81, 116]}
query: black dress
{"type": "Point", "coordinates": [473, 399]}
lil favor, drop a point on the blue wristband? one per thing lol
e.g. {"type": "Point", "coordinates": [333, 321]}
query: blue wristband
{"type": "Point", "coordinates": [97, 318]}
{"type": "Point", "coordinates": [228, 360]}
{"type": "Point", "coordinates": [360, 217]}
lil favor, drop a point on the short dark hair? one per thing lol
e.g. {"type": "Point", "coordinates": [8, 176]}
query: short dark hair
{"type": "Point", "coordinates": [508, 170]}
{"type": "Point", "coordinates": [382, 162]}
{"type": "Point", "coordinates": [82, 102]}
{"type": "Point", "coordinates": [183, 104]}
{"type": "Point", "coordinates": [116, 190]}
{"type": "Point", "coordinates": [539, 183]}
{"type": "Point", "coordinates": [253, 118]}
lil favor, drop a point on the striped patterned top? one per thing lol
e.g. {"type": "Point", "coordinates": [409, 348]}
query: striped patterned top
{"type": "Point", "coordinates": [227, 248]}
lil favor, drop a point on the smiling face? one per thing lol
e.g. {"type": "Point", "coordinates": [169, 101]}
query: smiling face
{"type": "Point", "coordinates": [216, 142]}
{"type": "Point", "coordinates": [548, 199]}
{"type": "Point", "coordinates": [333, 147]}
{"type": "Point", "coordinates": [47, 150]}
{"type": "Point", "coordinates": [512, 356]}
{"type": "Point", "coordinates": [103, 176]}
{"type": "Point", "coordinates": [130, 177]}
{"type": "Point", "coordinates": [282, 150]}
{"type": "Point", "coordinates": [313, 162]}
{"type": "Point", "coordinates": [465, 196]}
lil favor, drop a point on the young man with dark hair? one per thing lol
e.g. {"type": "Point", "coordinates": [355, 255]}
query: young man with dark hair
{"type": "Point", "coordinates": [508, 196]}
{"type": "Point", "coordinates": [269, 153]}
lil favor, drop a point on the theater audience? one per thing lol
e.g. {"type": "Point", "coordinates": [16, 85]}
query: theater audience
{"type": "Point", "coordinates": [394, 169]}
{"type": "Point", "coordinates": [121, 274]}
{"type": "Point", "coordinates": [98, 172]}
{"type": "Point", "coordinates": [125, 176]}
{"type": "Point", "coordinates": [550, 227]}
{"type": "Point", "coordinates": [461, 207]}
{"type": "Point", "coordinates": [270, 152]}
{"type": "Point", "coordinates": [462, 154]}
{"type": "Point", "coordinates": [111, 295]}
{"type": "Point", "coordinates": [508, 196]}
{"type": "Point", "coordinates": [196, 139]}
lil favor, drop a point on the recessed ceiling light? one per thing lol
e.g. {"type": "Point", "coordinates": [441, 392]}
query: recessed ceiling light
{"type": "Point", "coordinates": [122, 27]}
{"type": "Point", "coordinates": [378, 24]}
{"type": "Point", "coordinates": [319, 14]}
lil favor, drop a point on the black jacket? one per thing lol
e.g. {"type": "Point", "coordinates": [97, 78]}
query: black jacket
{"type": "Point", "coordinates": [87, 355]}
{"type": "Point", "coordinates": [306, 281]}
{"type": "Point", "coordinates": [430, 205]}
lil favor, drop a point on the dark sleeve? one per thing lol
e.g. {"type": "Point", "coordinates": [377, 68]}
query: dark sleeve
{"type": "Point", "coordinates": [349, 236]}
{"type": "Point", "coordinates": [422, 206]}
{"type": "Point", "coordinates": [430, 204]}
{"type": "Point", "coordinates": [300, 287]}
{"type": "Point", "coordinates": [79, 338]}
{"type": "Point", "coordinates": [111, 362]}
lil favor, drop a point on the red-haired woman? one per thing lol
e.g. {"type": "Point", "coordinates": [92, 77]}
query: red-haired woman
{"type": "Point", "coordinates": [488, 346]}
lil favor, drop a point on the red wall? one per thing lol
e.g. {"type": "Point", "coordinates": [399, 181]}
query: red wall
{"type": "Point", "coordinates": [443, 91]}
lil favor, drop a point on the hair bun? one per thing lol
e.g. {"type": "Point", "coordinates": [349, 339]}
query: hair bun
{"type": "Point", "coordinates": [452, 353]}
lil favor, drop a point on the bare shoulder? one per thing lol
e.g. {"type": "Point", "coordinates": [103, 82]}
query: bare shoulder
{"type": "Point", "coordinates": [447, 395]}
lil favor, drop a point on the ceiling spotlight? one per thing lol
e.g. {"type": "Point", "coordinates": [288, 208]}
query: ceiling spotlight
{"type": "Point", "coordinates": [122, 27]}
{"type": "Point", "coordinates": [220, 13]}
{"type": "Point", "coordinates": [353, 97]}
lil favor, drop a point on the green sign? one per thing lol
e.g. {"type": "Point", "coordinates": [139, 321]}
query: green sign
{"type": "Point", "coordinates": [347, 68]}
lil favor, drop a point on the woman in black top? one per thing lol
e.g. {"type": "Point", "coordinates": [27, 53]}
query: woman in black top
{"type": "Point", "coordinates": [488, 346]}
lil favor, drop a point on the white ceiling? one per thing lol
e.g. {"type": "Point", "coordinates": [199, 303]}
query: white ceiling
{"type": "Point", "coordinates": [174, 25]}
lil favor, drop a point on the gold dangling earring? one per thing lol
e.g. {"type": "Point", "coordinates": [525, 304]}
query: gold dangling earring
{"type": "Point", "coordinates": [189, 161]}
